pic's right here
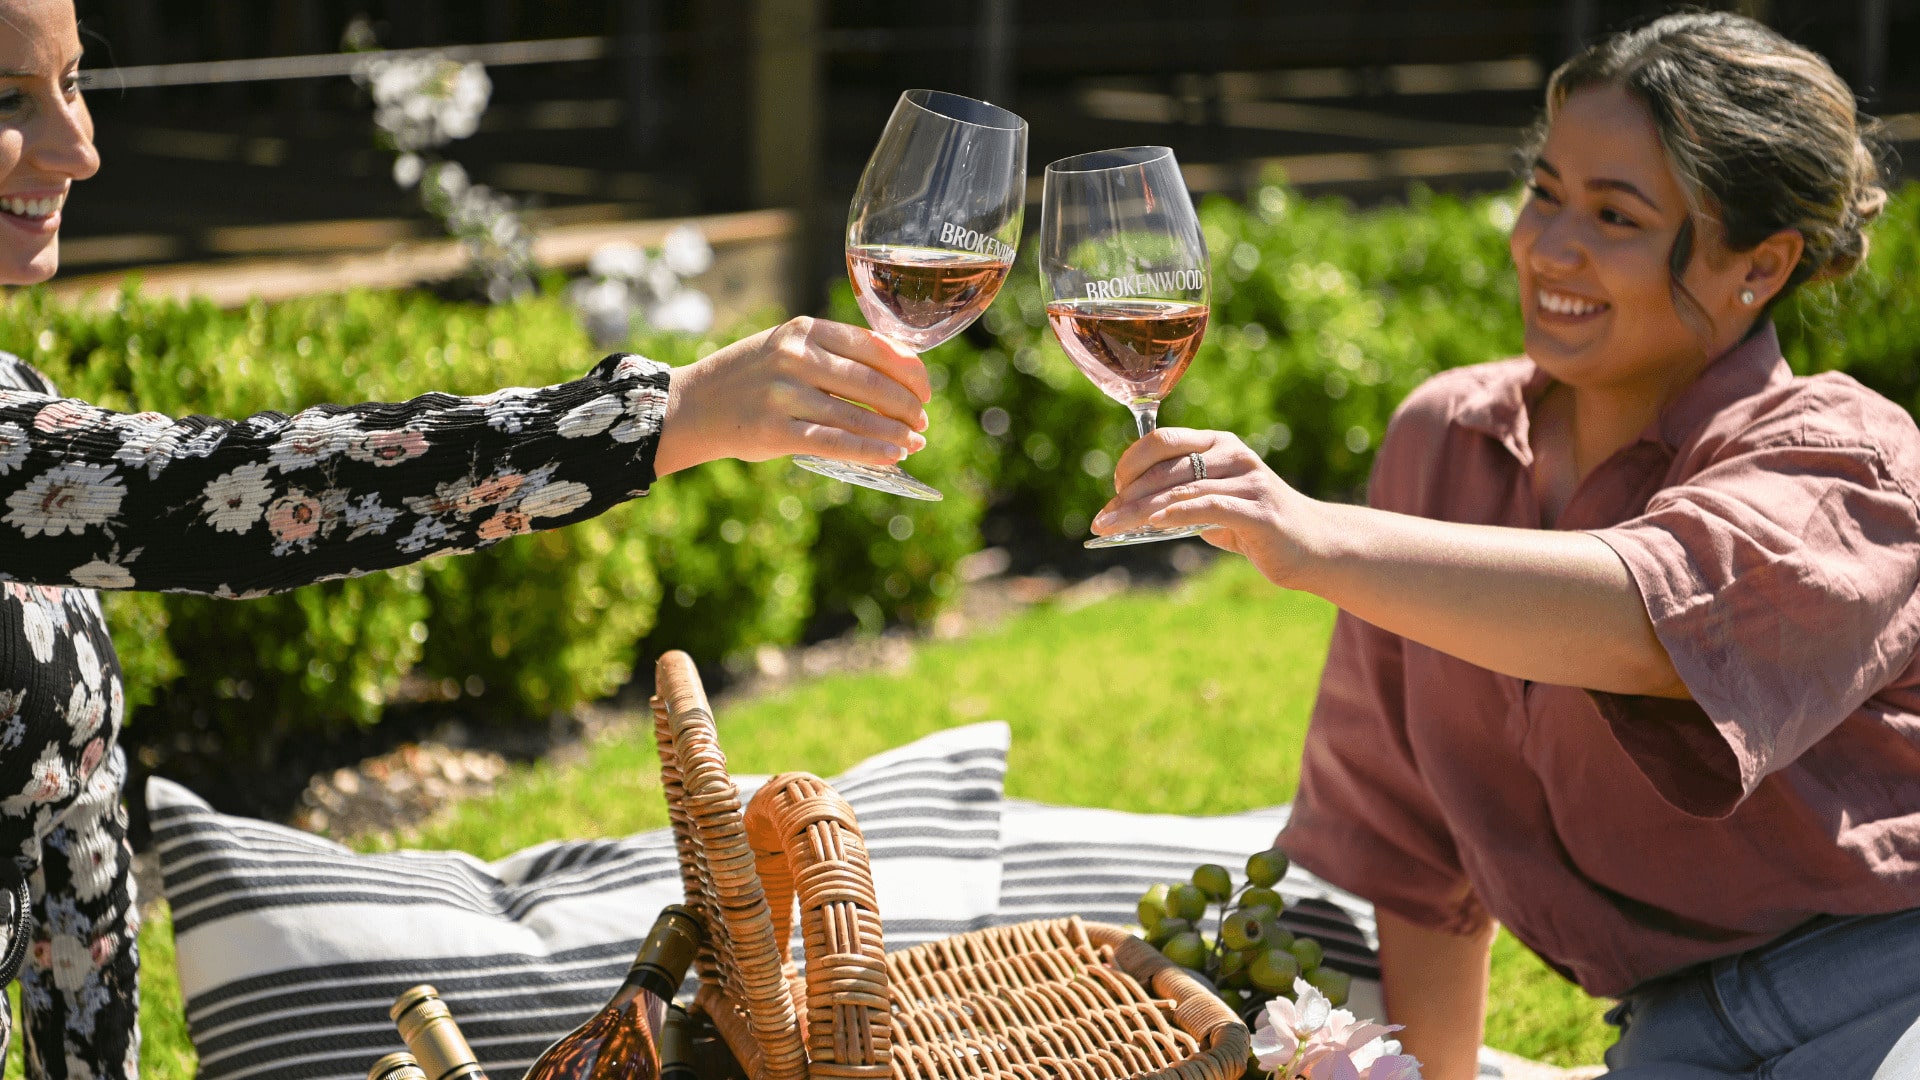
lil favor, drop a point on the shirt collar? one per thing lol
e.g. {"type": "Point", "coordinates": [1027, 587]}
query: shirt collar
{"type": "Point", "coordinates": [1499, 407]}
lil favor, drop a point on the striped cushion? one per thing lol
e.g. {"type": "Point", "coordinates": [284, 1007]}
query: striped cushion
{"type": "Point", "coordinates": [291, 947]}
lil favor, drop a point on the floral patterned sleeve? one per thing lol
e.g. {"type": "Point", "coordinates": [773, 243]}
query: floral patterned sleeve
{"type": "Point", "coordinates": [108, 500]}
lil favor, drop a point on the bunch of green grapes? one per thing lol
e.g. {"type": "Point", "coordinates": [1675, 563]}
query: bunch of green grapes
{"type": "Point", "coordinates": [1252, 957]}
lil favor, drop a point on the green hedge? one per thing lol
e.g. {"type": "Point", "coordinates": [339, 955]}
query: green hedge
{"type": "Point", "coordinates": [1324, 318]}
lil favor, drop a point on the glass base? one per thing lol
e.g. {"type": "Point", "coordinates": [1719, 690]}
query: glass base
{"type": "Point", "coordinates": [1146, 536]}
{"type": "Point", "coordinates": [889, 479]}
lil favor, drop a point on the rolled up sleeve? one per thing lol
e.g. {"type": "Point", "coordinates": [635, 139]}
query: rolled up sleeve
{"type": "Point", "coordinates": [1781, 580]}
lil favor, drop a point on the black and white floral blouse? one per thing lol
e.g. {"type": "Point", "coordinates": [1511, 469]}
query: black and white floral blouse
{"type": "Point", "coordinates": [91, 499]}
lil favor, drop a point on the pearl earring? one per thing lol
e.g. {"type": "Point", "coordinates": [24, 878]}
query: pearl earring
{"type": "Point", "coordinates": [1746, 296]}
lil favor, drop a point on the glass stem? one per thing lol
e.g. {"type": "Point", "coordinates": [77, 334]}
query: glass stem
{"type": "Point", "coordinates": [1146, 416]}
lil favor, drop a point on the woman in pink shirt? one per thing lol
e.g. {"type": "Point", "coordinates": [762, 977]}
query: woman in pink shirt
{"type": "Point", "coordinates": [1625, 658]}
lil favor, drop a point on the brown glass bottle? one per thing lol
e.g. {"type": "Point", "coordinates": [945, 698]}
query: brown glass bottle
{"type": "Point", "coordinates": [427, 1027]}
{"type": "Point", "coordinates": [398, 1066]}
{"type": "Point", "coordinates": [676, 1046]}
{"type": "Point", "coordinates": [620, 1042]}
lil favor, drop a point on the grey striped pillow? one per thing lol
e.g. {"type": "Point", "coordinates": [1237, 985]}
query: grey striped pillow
{"type": "Point", "coordinates": [291, 947]}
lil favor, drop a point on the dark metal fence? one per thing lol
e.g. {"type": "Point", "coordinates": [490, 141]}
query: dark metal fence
{"type": "Point", "coordinates": [238, 114]}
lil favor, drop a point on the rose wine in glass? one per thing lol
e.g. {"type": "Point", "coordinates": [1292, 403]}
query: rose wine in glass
{"type": "Point", "coordinates": [1126, 278]}
{"type": "Point", "coordinates": [931, 235]}
{"type": "Point", "coordinates": [1133, 350]}
{"type": "Point", "coordinates": [920, 297]}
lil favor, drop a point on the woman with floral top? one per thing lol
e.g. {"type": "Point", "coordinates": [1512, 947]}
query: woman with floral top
{"type": "Point", "coordinates": [91, 499]}
{"type": "Point", "coordinates": [1626, 658]}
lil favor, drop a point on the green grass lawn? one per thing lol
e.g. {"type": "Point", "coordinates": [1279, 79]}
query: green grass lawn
{"type": "Point", "coordinates": [1191, 701]}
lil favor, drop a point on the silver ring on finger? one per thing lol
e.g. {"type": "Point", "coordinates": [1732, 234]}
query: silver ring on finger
{"type": "Point", "coordinates": [1199, 467]}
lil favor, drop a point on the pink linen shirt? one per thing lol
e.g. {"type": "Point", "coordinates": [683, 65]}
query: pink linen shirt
{"type": "Point", "coordinates": [1771, 525]}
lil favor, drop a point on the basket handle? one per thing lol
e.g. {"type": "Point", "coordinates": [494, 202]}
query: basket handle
{"type": "Point", "coordinates": [743, 986]}
{"type": "Point", "coordinates": [807, 844]}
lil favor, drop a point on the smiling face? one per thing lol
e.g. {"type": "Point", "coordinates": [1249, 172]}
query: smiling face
{"type": "Point", "coordinates": [46, 135]}
{"type": "Point", "coordinates": [1592, 247]}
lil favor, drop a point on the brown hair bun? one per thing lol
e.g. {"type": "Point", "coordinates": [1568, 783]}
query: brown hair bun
{"type": "Point", "coordinates": [1762, 133]}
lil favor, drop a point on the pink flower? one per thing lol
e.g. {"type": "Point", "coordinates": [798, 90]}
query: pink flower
{"type": "Point", "coordinates": [1309, 1038]}
{"type": "Point", "coordinates": [504, 524]}
{"type": "Point", "coordinates": [1332, 1066]}
{"type": "Point", "coordinates": [387, 447]}
{"type": "Point", "coordinates": [294, 517]}
{"type": "Point", "coordinates": [1359, 1039]}
{"type": "Point", "coordinates": [90, 757]}
{"type": "Point", "coordinates": [1394, 1067]}
{"type": "Point", "coordinates": [492, 491]}
{"type": "Point", "coordinates": [1285, 1027]}
{"type": "Point", "coordinates": [65, 416]}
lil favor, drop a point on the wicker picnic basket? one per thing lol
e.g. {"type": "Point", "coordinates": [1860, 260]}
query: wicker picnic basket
{"type": "Point", "coordinates": [1057, 999]}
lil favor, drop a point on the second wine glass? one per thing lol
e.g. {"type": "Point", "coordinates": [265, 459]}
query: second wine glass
{"type": "Point", "coordinates": [1126, 277]}
{"type": "Point", "coordinates": [931, 235]}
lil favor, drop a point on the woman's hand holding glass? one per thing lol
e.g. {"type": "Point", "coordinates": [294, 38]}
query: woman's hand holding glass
{"type": "Point", "coordinates": [930, 237]}
{"type": "Point", "coordinates": [1243, 504]}
{"type": "Point", "coordinates": [1124, 269]}
{"type": "Point", "coordinates": [797, 389]}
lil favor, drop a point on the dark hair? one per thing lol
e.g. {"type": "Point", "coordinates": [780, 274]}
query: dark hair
{"type": "Point", "coordinates": [1760, 131]}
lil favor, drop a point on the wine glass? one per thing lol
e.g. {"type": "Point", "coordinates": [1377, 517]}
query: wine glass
{"type": "Point", "coordinates": [931, 235]}
{"type": "Point", "coordinates": [1126, 280]}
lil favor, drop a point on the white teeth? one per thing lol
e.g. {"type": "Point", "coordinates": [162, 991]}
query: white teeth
{"type": "Point", "coordinates": [1562, 304]}
{"type": "Point", "coordinates": [32, 208]}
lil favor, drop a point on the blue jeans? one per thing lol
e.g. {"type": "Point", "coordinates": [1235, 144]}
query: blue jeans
{"type": "Point", "coordinates": [1828, 1001]}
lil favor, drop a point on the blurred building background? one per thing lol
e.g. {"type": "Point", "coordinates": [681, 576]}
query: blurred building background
{"type": "Point", "coordinates": [230, 131]}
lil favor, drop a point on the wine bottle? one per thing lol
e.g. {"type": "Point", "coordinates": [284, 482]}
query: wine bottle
{"type": "Point", "coordinates": [426, 1024]}
{"type": "Point", "coordinates": [676, 1046]}
{"type": "Point", "coordinates": [620, 1041]}
{"type": "Point", "coordinates": [396, 1066]}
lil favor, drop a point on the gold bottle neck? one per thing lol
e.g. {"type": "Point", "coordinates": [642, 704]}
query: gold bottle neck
{"type": "Point", "coordinates": [396, 1066]}
{"type": "Point", "coordinates": [427, 1027]}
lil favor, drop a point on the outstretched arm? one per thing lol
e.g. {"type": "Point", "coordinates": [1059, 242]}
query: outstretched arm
{"type": "Point", "coordinates": [1553, 607]}
{"type": "Point", "coordinates": [99, 499]}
